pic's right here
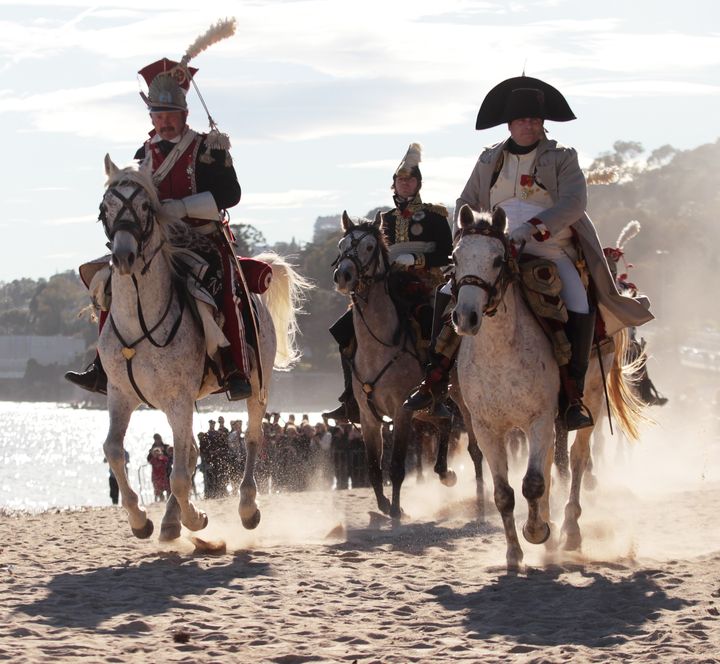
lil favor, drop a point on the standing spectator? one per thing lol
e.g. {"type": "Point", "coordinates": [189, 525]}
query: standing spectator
{"type": "Point", "coordinates": [159, 462]}
{"type": "Point", "coordinates": [340, 449]}
{"type": "Point", "coordinates": [222, 429]}
{"type": "Point", "coordinates": [210, 452]}
{"type": "Point", "coordinates": [236, 444]}
{"type": "Point", "coordinates": [357, 462]}
{"type": "Point", "coordinates": [321, 455]}
{"type": "Point", "coordinates": [114, 488]}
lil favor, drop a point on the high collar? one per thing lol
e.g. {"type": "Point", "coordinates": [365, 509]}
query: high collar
{"type": "Point", "coordinates": [407, 204]}
{"type": "Point", "coordinates": [513, 148]}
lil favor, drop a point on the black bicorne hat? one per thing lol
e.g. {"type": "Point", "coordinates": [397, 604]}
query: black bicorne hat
{"type": "Point", "coordinates": [522, 97]}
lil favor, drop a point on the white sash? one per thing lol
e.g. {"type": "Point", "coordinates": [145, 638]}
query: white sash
{"type": "Point", "coordinates": [172, 156]}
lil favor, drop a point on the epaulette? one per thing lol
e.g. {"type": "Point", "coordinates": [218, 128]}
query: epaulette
{"type": "Point", "coordinates": [437, 209]}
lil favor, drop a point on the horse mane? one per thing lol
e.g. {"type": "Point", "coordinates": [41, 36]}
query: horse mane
{"type": "Point", "coordinates": [177, 234]}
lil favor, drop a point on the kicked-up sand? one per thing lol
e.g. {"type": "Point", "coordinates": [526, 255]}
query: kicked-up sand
{"type": "Point", "coordinates": [324, 579]}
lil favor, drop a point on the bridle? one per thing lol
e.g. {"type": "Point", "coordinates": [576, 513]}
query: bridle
{"type": "Point", "coordinates": [496, 290]}
{"type": "Point", "coordinates": [365, 278]}
{"type": "Point", "coordinates": [367, 275]}
{"type": "Point", "coordinates": [140, 228]}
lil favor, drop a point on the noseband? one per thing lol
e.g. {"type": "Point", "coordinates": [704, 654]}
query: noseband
{"type": "Point", "coordinates": [496, 290]}
{"type": "Point", "coordinates": [140, 229]}
{"type": "Point", "coordinates": [364, 276]}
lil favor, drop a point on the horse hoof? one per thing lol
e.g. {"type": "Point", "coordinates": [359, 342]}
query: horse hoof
{"type": "Point", "coordinates": [449, 478]}
{"type": "Point", "coordinates": [252, 522]}
{"type": "Point", "coordinates": [145, 531]}
{"type": "Point", "coordinates": [536, 536]}
{"type": "Point", "coordinates": [170, 532]}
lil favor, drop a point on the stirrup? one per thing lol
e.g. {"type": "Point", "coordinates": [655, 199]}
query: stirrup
{"type": "Point", "coordinates": [578, 416]}
{"type": "Point", "coordinates": [237, 388]}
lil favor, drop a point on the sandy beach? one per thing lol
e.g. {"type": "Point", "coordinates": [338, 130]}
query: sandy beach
{"type": "Point", "coordinates": [323, 580]}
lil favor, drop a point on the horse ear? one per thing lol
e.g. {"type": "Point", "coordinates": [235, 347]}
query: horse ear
{"type": "Point", "coordinates": [110, 168]}
{"type": "Point", "coordinates": [466, 216]}
{"type": "Point", "coordinates": [499, 219]}
{"type": "Point", "coordinates": [346, 223]}
{"type": "Point", "coordinates": [378, 219]}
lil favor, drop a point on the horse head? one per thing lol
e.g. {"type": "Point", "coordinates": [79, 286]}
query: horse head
{"type": "Point", "coordinates": [128, 211]}
{"type": "Point", "coordinates": [481, 267]}
{"type": "Point", "coordinates": [363, 256]}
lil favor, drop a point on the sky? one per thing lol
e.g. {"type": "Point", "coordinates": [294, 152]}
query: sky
{"type": "Point", "coordinates": [321, 98]}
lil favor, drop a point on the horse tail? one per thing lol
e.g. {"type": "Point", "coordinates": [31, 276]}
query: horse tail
{"type": "Point", "coordinates": [284, 300]}
{"type": "Point", "coordinates": [625, 405]}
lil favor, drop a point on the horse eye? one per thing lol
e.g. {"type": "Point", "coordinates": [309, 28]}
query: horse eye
{"type": "Point", "coordinates": [498, 261]}
{"type": "Point", "coordinates": [145, 206]}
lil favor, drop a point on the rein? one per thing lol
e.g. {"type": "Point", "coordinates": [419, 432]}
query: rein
{"type": "Point", "coordinates": [496, 290]}
{"type": "Point", "coordinates": [365, 279]}
{"type": "Point", "coordinates": [141, 232]}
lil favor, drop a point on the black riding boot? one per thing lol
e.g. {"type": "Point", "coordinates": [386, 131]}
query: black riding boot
{"type": "Point", "coordinates": [92, 379]}
{"type": "Point", "coordinates": [432, 391]}
{"type": "Point", "coordinates": [580, 330]}
{"type": "Point", "coordinates": [348, 410]}
{"type": "Point", "coordinates": [236, 386]}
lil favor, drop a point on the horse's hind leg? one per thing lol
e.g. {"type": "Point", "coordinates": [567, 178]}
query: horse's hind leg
{"type": "Point", "coordinates": [248, 508]}
{"type": "Point", "coordinates": [474, 450]}
{"type": "Point", "coordinates": [447, 475]}
{"type": "Point", "coordinates": [120, 411]}
{"type": "Point", "coordinates": [579, 457]}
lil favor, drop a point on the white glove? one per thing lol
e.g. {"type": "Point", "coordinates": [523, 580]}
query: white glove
{"type": "Point", "coordinates": [523, 233]}
{"type": "Point", "coordinates": [406, 260]}
{"type": "Point", "coordinates": [174, 208]}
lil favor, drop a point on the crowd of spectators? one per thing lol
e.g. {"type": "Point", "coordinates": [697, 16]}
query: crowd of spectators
{"type": "Point", "coordinates": [293, 456]}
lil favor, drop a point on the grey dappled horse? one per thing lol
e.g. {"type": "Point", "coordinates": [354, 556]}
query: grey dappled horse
{"type": "Point", "coordinates": [509, 379]}
{"type": "Point", "coordinates": [154, 347]}
{"type": "Point", "coordinates": [385, 367]}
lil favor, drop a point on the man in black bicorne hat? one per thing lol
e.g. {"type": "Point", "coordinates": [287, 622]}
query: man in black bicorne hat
{"type": "Point", "coordinates": [541, 188]}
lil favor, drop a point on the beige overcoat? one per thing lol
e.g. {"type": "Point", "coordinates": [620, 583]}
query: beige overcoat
{"type": "Point", "coordinates": [557, 170]}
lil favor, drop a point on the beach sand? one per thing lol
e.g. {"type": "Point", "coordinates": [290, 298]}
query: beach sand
{"type": "Point", "coordinates": [324, 580]}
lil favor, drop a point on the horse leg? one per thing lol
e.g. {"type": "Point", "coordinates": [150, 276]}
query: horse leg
{"type": "Point", "coordinates": [171, 524]}
{"type": "Point", "coordinates": [248, 508]}
{"type": "Point", "coordinates": [120, 411]}
{"type": "Point", "coordinates": [372, 437]}
{"type": "Point", "coordinates": [495, 454]}
{"type": "Point", "coordinates": [447, 475]}
{"type": "Point", "coordinates": [475, 454]}
{"type": "Point", "coordinates": [536, 483]}
{"type": "Point", "coordinates": [579, 457]}
{"type": "Point", "coordinates": [561, 449]}
{"type": "Point", "coordinates": [184, 459]}
{"type": "Point", "coordinates": [401, 433]}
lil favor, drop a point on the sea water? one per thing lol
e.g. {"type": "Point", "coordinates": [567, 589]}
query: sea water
{"type": "Point", "coordinates": [51, 454]}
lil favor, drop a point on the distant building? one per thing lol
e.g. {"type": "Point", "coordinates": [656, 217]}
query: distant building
{"type": "Point", "coordinates": [16, 350]}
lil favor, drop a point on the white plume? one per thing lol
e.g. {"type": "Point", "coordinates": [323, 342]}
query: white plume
{"type": "Point", "coordinates": [630, 230]}
{"type": "Point", "coordinates": [217, 32]}
{"type": "Point", "coordinates": [413, 156]}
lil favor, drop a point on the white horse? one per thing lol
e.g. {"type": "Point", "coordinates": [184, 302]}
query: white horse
{"type": "Point", "coordinates": [386, 366]}
{"type": "Point", "coordinates": [509, 379]}
{"type": "Point", "coordinates": [154, 350]}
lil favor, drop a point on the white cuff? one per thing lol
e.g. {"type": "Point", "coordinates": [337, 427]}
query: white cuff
{"type": "Point", "coordinates": [201, 206]}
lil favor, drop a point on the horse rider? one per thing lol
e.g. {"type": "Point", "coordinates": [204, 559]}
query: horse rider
{"type": "Point", "coordinates": [420, 243]}
{"type": "Point", "coordinates": [645, 387]}
{"type": "Point", "coordinates": [196, 182]}
{"type": "Point", "coordinates": [539, 184]}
